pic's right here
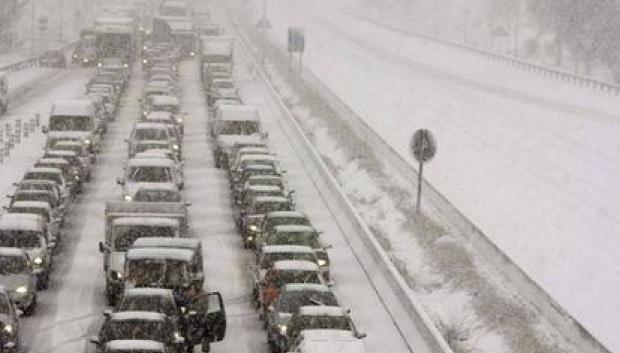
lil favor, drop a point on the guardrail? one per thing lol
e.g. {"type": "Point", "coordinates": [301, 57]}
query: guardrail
{"type": "Point", "coordinates": [32, 62]}
{"type": "Point", "coordinates": [340, 205]}
{"type": "Point", "coordinates": [557, 74]}
{"type": "Point", "coordinates": [572, 330]}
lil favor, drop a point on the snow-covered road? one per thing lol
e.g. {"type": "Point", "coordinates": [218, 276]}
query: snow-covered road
{"type": "Point", "coordinates": [529, 160]}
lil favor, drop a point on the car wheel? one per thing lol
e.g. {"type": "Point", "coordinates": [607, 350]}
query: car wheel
{"type": "Point", "coordinates": [43, 283]}
{"type": "Point", "coordinates": [29, 311]}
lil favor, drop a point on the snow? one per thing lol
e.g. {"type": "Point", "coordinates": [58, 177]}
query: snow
{"type": "Point", "coordinates": [305, 287]}
{"type": "Point", "coordinates": [150, 162]}
{"type": "Point", "coordinates": [137, 315]}
{"type": "Point", "coordinates": [144, 292]}
{"type": "Point", "coordinates": [519, 152]}
{"type": "Point", "coordinates": [270, 199]}
{"type": "Point", "coordinates": [12, 252]}
{"type": "Point", "coordinates": [159, 254]}
{"type": "Point", "coordinates": [73, 107]}
{"type": "Point", "coordinates": [327, 335]}
{"type": "Point", "coordinates": [162, 242]}
{"type": "Point", "coordinates": [321, 310]}
{"type": "Point", "coordinates": [273, 249]}
{"type": "Point", "coordinates": [237, 113]}
{"type": "Point", "coordinates": [149, 221]}
{"type": "Point", "coordinates": [163, 100]}
{"type": "Point", "coordinates": [285, 214]}
{"type": "Point", "coordinates": [134, 345]}
{"type": "Point", "coordinates": [262, 188]}
{"type": "Point", "coordinates": [21, 221]}
{"type": "Point", "coordinates": [295, 265]}
{"type": "Point", "coordinates": [293, 228]}
{"type": "Point", "coordinates": [31, 204]}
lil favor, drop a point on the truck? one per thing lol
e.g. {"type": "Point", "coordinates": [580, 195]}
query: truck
{"type": "Point", "coordinates": [127, 221]}
{"type": "Point", "coordinates": [115, 37]}
{"type": "Point", "coordinates": [216, 49]}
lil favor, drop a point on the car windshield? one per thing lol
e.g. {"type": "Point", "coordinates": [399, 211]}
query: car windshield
{"type": "Point", "coordinates": [13, 265]}
{"type": "Point", "coordinates": [151, 303]}
{"type": "Point", "coordinates": [23, 239]}
{"type": "Point", "coordinates": [247, 162]}
{"type": "Point", "coordinates": [269, 259]}
{"type": "Point", "coordinates": [138, 329]}
{"type": "Point", "coordinates": [151, 134]}
{"type": "Point", "coordinates": [125, 235]}
{"type": "Point", "coordinates": [266, 181]}
{"type": "Point", "coordinates": [297, 238]}
{"type": "Point", "coordinates": [32, 196]}
{"type": "Point", "coordinates": [69, 147]}
{"type": "Point", "coordinates": [285, 277]}
{"type": "Point", "coordinates": [289, 302]}
{"type": "Point", "coordinates": [157, 196]}
{"type": "Point", "coordinates": [164, 273]}
{"type": "Point", "coordinates": [33, 210]}
{"type": "Point", "coordinates": [55, 177]}
{"type": "Point", "coordinates": [150, 174]}
{"type": "Point", "coordinates": [252, 172]}
{"type": "Point", "coordinates": [170, 108]}
{"type": "Point", "coordinates": [70, 123]}
{"type": "Point", "coordinates": [278, 221]}
{"type": "Point", "coordinates": [239, 128]}
{"type": "Point", "coordinates": [322, 322]}
{"type": "Point", "coordinates": [264, 207]}
{"type": "Point", "coordinates": [152, 146]}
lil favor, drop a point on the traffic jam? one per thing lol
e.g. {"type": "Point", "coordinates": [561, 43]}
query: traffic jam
{"type": "Point", "coordinates": [153, 267]}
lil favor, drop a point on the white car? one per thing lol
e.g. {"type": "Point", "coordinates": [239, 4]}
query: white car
{"type": "Point", "coordinates": [140, 172]}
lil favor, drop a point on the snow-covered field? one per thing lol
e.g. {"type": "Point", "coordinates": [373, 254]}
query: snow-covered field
{"type": "Point", "coordinates": [527, 159]}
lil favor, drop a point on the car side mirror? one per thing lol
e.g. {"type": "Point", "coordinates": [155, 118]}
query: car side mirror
{"type": "Point", "coordinates": [360, 335]}
{"type": "Point", "coordinates": [9, 196]}
{"type": "Point", "coordinates": [19, 313]}
{"type": "Point", "coordinates": [107, 313]}
{"type": "Point", "coordinates": [51, 245]}
{"type": "Point", "coordinates": [94, 340]}
{"type": "Point", "coordinates": [102, 247]}
{"type": "Point", "coordinates": [265, 135]}
{"type": "Point", "coordinates": [44, 129]}
{"type": "Point", "coordinates": [188, 204]}
{"type": "Point", "coordinates": [120, 181]}
{"type": "Point", "coordinates": [328, 246]}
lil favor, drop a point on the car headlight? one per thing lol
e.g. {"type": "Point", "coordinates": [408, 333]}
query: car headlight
{"type": "Point", "coordinates": [21, 290]}
{"type": "Point", "coordinates": [85, 61]}
{"type": "Point", "coordinates": [37, 260]}
{"type": "Point", "coordinates": [179, 120]}
{"type": "Point", "coordinates": [144, 47]}
{"type": "Point", "coordinates": [128, 198]}
{"type": "Point", "coordinates": [175, 147]}
{"type": "Point", "coordinates": [283, 329]}
{"type": "Point", "coordinates": [250, 238]}
{"type": "Point", "coordinates": [144, 61]}
{"type": "Point", "coordinates": [116, 275]}
{"type": "Point", "coordinates": [144, 112]}
{"type": "Point", "coordinates": [8, 328]}
{"type": "Point", "coordinates": [322, 262]}
{"type": "Point", "coordinates": [191, 53]}
{"type": "Point", "coordinates": [253, 228]}
{"type": "Point", "coordinates": [87, 142]}
{"type": "Point", "coordinates": [177, 335]}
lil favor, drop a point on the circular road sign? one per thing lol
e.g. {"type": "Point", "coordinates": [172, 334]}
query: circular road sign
{"type": "Point", "coordinates": [422, 145]}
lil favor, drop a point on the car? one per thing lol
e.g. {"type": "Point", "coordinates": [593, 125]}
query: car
{"type": "Point", "coordinates": [160, 268]}
{"type": "Point", "coordinates": [28, 232]}
{"type": "Point", "coordinates": [250, 217]}
{"type": "Point", "coordinates": [52, 174]}
{"type": "Point", "coordinates": [270, 254]}
{"type": "Point", "coordinates": [248, 194]}
{"type": "Point", "coordinates": [282, 273]}
{"type": "Point", "coordinates": [74, 119]}
{"type": "Point", "coordinates": [236, 170]}
{"type": "Point", "coordinates": [143, 172]}
{"type": "Point", "coordinates": [53, 58]}
{"type": "Point", "coordinates": [81, 150]}
{"type": "Point", "coordinates": [249, 171]}
{"type": "Point", "coordinates": [9, 323]}
{"type": "Point", "coordinates": [43, 209]}
{"type": "Point", "coordinates": [291, 298]}
{"type": "Point", "coordinates": [277, 218]}
{"type": "Point", "coordinates": [160, 145]}
{"type": "Point", "coordinates": [139, 325]}
{"type": "Point", "coordinates": [18, 279]}
{"type": "Point", "coordinates": [241, 151]}
{"type": "Point", "coordinates": [175, 126]}
{"type": "Point", "coordinates": [234, 124]}
{"type": "Point", "coordinates": [147, 131]}
{"type": "Point", "coordinates": [267, 180]}
{"type": "Point", "coordinates": [83, 169]}
{"type": "Point", "coordinates": [47, 185]}
{"type": "Point", "coordinates": [70, 174]}
{"type": "Point", "coordinates": [169, 104]}
{"type": "Point", "coordinates": [312, 341]}
{"type": "Point", "coordinates": [221, 88]}
{"type": "Point", "coordinates": [323, 317]}
{"type": "Point", "coordinates": [300, 235]}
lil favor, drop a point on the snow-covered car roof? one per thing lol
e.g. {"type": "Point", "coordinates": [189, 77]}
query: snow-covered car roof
{"type": "Point", "coordinates": [147, 292]}
{"type": "Point", "coordinates": [150, 125]}
{"type": "Point", "coordinates": [159, 115]}
{"type": "Point", "coordinates": [263, 188]}
{"type": "Point", "coordinates": [159, 186]}
{"type": "Point", "coordinates": [21, 221]}
{"type": "Point", "coordinates": [45, 170]}
{"type": "Point", "coordinates": [150, 162]}
{"type": "Point", "coordinates": [152, 153]}
{"type": "Point", "coordinates": [238, 113]}
{"type": "Point", "coordinates": [253, 150]}
{"type": "Point", "coordinates": [327, 335]}
{"type": "Point", "coordinates": [167, 242]}
{"type": "Point", "coordinates": [266, 177]}
{"type": "Point", "coordinates": [330, 341]}
{"type": "Point", "coordinates": [164, 100]}
{"type": "Point", "coordinates": [295, 265]}
{"type": "Point", "coordinates": [261, 199]}
{"type": "Point", "coordinates": [31, 204]}
{"type": "Point", "coordinates": [293, 228]}
{"type": "Point", "coordinates": [258, 156]}
{"type": "Point", "coordinates": [68, 143]}
{"type": "Point", "coordinates": [321, 310]}
{"type": "Point", "coordinates": [273, 249]}
{"type": "Point", "coordinates": [53, 161]}
{"type": "Point", "coordinates": [301, 287]}
{"type": "Point", "coordinates": [65, 153]}
{"type": "Point", "coordinates": [147, 221]}
{"type": "Point", "coordinates": [135, 345]}
{"type": "Point", "coordinates": [12, 252]}
{"type": "Point", "coordinates": [160, 254]}
{"type": "Point", "coordinates": [285, 214]}
{"type": "Point", "coordinates": [154, 142]}
{"type": "Point", "coordinates": [72, 107]}
{"type": "Point", "coordinates": [258, 167]}
{"type": "Point", "coordinates": [137, 315]}
{"type": "Point", "coordinates": [38, 182]}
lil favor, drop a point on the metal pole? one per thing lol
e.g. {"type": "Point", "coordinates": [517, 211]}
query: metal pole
{"type": "Point", "coordinates": [290, 63]}
{"type": "Point", "coordinates": [301, 54]}
{"type": "Point", "coordinates": [419, 201]}
{"type": "Point", "coordinates": [32, 31]}
{"type": "Point", "coordinates": [517, 15]}
{"type": "Point", "coordinates": [60, 29]}
{"type": "Point", "coordinates": [465, 22]}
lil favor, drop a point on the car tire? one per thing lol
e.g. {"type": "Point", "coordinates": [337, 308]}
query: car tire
{"type": "Point", "coordinates": [30, 310]}
{"type": "Point", "coordinates": [44, 282]}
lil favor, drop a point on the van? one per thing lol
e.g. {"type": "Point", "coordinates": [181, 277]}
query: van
{"type": "Point", "coordinates": [74, 119]}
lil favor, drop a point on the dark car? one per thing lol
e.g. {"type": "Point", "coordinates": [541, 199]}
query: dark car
{"type": "Point", "coordinates": [9, 323]}
{"type": "Point", "coordinates": [53, 58]}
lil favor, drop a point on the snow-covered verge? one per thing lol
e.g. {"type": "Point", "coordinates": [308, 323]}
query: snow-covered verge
{"type": "Point", "coordinates": [519, 163]}
{"type": "Point", "coordinates": [481, 315]}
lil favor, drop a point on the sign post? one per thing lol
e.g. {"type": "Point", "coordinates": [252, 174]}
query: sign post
{"type": "Point", "coordinates": [296, 44]}
{"type": "Point", "coordinates": [423, 148]}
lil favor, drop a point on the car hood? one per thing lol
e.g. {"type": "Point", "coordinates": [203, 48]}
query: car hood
{"type": "Point", "coordinates": [11, 282]}
{"type": "Point", "coordinates": [132, 188]}
{"type": "Point", "coordinates": [37, 252]}
{"type": "Point", "coordinates": [117, 261]}
{"type": "Point", "coordinates": [82, 135]}
{"type": "Point", "coordinates": [283, 318]}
